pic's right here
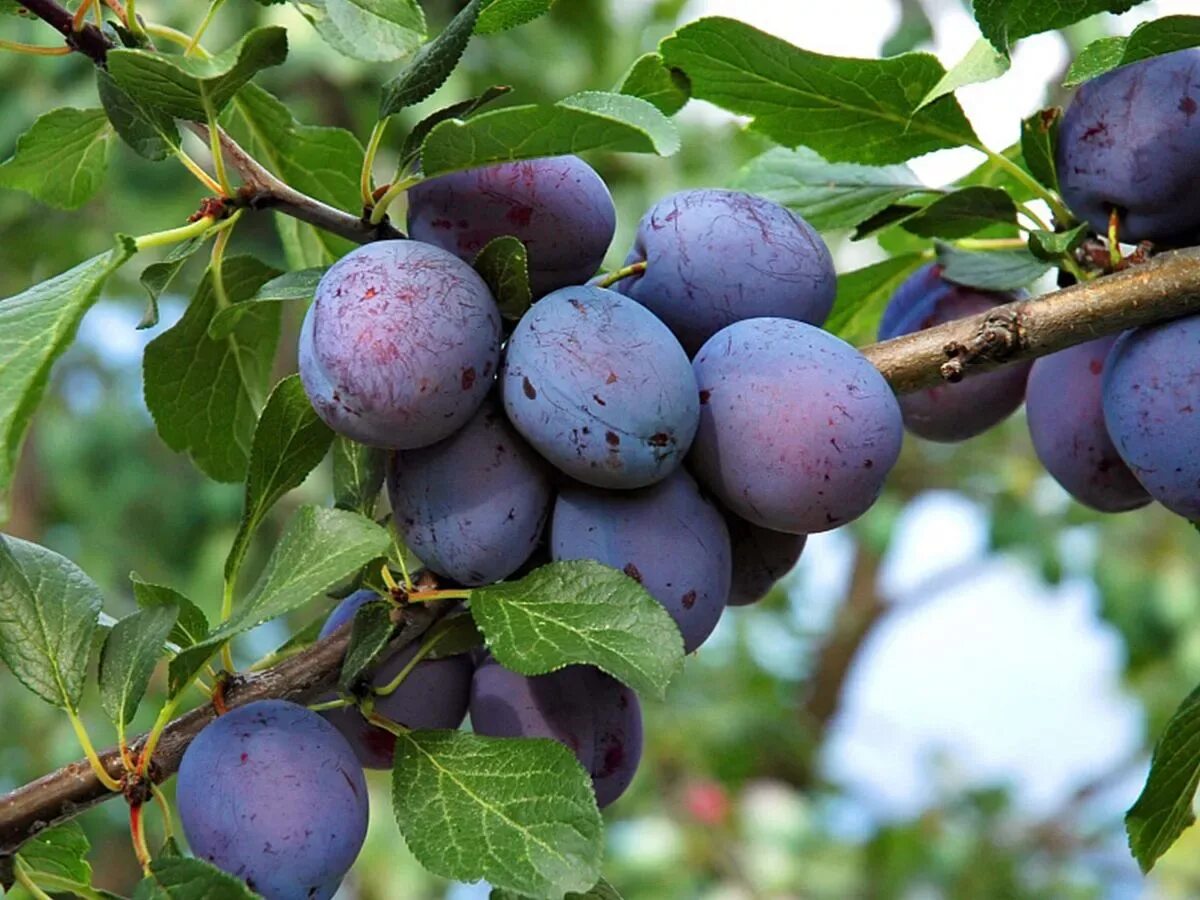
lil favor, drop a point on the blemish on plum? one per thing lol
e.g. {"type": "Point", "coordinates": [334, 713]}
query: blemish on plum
{"type": "Point", "coordinates": [529, 389]}
{"type": "Point", "coordinates": [1187, 106]}
{"type": "Point", "coordinates": [688, 600]}
{"type": "Point", "coordinates": [468, 378]}
{"type": "Point", "coordinates": [633, 572]}
{"type": "Point", "coordinates": [704, 397]}
{"type": "Point", "coordinates": [659, 439]}
{"type": "Point", "coordinates": [612, 438]}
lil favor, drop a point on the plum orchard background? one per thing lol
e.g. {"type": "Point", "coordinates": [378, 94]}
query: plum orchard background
{"type": "Point", "coordinates": [726, 803]}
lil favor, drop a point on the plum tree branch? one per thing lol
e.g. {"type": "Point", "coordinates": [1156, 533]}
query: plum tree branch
{"type": "Point", "coordinates": [65, 793]}
{"type": "Point", "coordinates": [1165, 287]}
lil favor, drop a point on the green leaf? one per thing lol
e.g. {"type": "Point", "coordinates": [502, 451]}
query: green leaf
{"type": "Point", "coordinates": [290, 287]}
{"type": "Point", "coordinates": [520, 813]}
{"type": "Point", "coordinates": [127, 661]}
{"type": "Point", "coordinates": [61, 851]}
{"type": "Point", "coordinates": [1039, 137]}
{"type": "Point", "coordinates": [369, 635]}
{"type": "Point", "coordinates": [913, 29]}
{"type": "Point", "coordinates": [190, 626]}
{"type": "Point", "coordinates": [368, 30]}
{"type": "Point", "coordinates": [36, 326]}
{"type": "Point", "coordinates": [1163, 810]}
{"type": "Point", "coordinates": [205, 394]}
{"type": "Point", "coordinates": [649, 78]}
{"type": "Point", "coordinates": [1004, 22]}
{"type": "Point", "coordinates": [587, 121]}
{"type": "Point", "coordinates": [992, 270]}
{"type": "Point", "coordinates": [1165, 35]}
{"type": "Point", "coordinates": [317, 550]}
{"type": "Point", "coordinates": [504, 265]}
{"type": "Point", "coordinates": [992, 173]}
{"type": "Point", "coordinates": [157, 277]}
{"type": "Point", "coordinates": [453, 636]}
{"type": "Point", "coordinates": [848, 110]}
{"type": "Point", "coordinates": [863, 294]}
{"type": "Point", "coordinates": [411, 148]}
{"type": "Point", "coordinates": [290, 441]}
{"type": "Point", "coordinates": [188, 878]}
{"type": "Point", "coordinates": [501, 15]}
{"type": "Point", "coordinates": [305, 637]}
{"type": "Point", "coordinates": [357, 476]}
{"type": "Point", "coordinates": [601, 891]}
{"type": "Point", "coordinates": [580, 612]}
{"type": "Point", "coordinates": [48, 613]}
{"type": "Point", "coordinates": [827, 195]}
{"type": "Point", "coordinates": [62, 158]}
{"type": "Point", "coordinates": [963, 213]}
{"type": "Point", "coordinates": [982, 63]}
{"type": "Point", "coordinates": [183, 86]}
{"type": "Point", "coordinates": [432, 66]}
{"type": "Point", "coordinates": [324, 163]}
{"type": "Point", "coordinates": [151, 132]}
{"type": "Point", "coordinates": [1051, 245]}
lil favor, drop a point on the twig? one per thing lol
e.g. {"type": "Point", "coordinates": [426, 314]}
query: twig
{"type": "Point", "coordinates": [88, 40]}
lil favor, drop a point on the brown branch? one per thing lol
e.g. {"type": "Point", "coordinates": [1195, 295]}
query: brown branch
{"type": "Point", "coordinates": [66, 792]}
{"type": "Point", "coordinates": [89, 40]}
{"type": "Point", "coordinates": [1166, 287]}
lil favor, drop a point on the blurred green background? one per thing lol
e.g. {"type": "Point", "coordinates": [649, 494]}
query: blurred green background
{"type": "Point", "coordinates": [954, 697]}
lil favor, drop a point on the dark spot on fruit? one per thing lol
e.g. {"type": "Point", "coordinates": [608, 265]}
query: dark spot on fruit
{"type": "Point", "coordinates": [579, 307]}
{"type": "Point", "coordinates": [688, 600]}
{"type": "Point", "coordinates": [661, 439]}
{"type": "Point", "coordinates": [441, 223]}
{"type": "Point", "coordinates": [614, 756]}
{"type": "Point", "coordinates": [612, 438]}
{"type": "Point", "coordinates": [529, 389]}
{"type": "Point", "coordinates": [1187, 106]}
{"type": "Point", "coordinates": [704, 396]}
{"type": "Point", "coordinates": [632, 571]}
{"type": "Point", "coordinates": [245, 757]}
{"type": "Point", "coordinates": [520, 215]}
{"type": "Point", "coordinates": [611, 379]}
{"type": "Point", "coordinates": [1096, 366]}
{"type": "Point", "coordinates": [869, 464]}
{"type": "Point", "coordinates": [468, 378]}
{"type": "Point", "coordinates": [599, 399]}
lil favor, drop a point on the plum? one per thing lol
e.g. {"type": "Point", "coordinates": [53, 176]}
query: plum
{"type": "Point", "coordinates": [1151, 397]}
{"type": "Point", "coordinates": [595, 716]}
{"type": "Point", "coordinates": [667, 537]}
{"type": "Point", "coordinates": [272, 793]}
{"type": "Point", "coordinates": [557, 206]}
{"type": "Point", "coordinates": [472, 507]}
{"type": "Point", "coordinates": [714, 257]}
{"type": "Point", "coordinates": [951, 412]}
{"type": "Point", "coordinates": [1130, 142]}
{"type": "Point", "coordinates": [1066, 422]}
{"type": "Point", "coordinates": [433, 695]}
{"type": "Point", "coordinates": [760, 558]}
{"type": "Point", "coordinates": [400, 345]}
{"type": "Point", "coordinates": [797, 429]}
{"type": "Point", "coordinates": [601, 388]}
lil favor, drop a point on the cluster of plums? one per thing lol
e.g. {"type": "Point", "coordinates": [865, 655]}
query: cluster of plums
{"type": "Point", "coordinates": [688, 425]}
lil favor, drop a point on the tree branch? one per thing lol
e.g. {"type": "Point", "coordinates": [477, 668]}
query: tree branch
{"type": "Point", "coordinates": [1165, 287]}
{"type": "Point", "coordinates": [89, 40]}
{"type": "Point", "coordinates": [65, 793]}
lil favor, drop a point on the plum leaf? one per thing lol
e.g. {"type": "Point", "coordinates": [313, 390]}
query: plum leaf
{"type": "Point", "coordinates": [368, 30]}
{"type": "Point", "coordinates": [128, 657]}
{"type": "Point", "coordinates": [580, 612]}
{"type": "Point", "coordinates": [1004, 22]}
{"type": "Point", "coordinates": [518, 812]}
{"type": "Point", "coordinates": [358, 472]}
{"type": "Point", "coordinates": [602, 890]}
{"type": "Point", "coordinates": [188, 878]}
{"type": "Point", "coordinates": [432, 66]}
{"type": "Point", "coordinates": [61, 852]}
{"type": "Point", "coordinates": [863, 293]}
{"type": "Point", "coordinates": [848, 110]}
{"type": "Point", "coordinates": [186, 86]}
{"type": "Point", "coordinates": [297, 286]}
{"type": "Point", "coordinates": [151, 132]}
{"type": "Point", "coordinates": [651, 79]}
{"type": "Point", "coordinates": [410, 150]}
{"type": "Point", "coordinates": [1039, 137]}
{"type": "Point", "coordinates": [1165, 35]}
{"type": "Point", "coordinates": [157, 276]}
{"type": "Point", "coordinates": [501, 15]}
{"type": "Point", "coordinates": [62, 158]}
{"type": "Point", "coordinates": [990, 270]}
{"type": "Point", "coordinates": [370, 632]}
{"type": "Point", "coordinates": [190, 626]}
{"type": "Point", "coordinates": [504, 265]}
{"type": "Point", "coordinates": [49, 610]}
{"type": "Point", "coordinates": [962, 213]}
{"type": "Point", "coordinates": [981, 63]}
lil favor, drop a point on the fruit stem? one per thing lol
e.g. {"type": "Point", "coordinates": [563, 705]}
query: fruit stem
{"type": "Point", "coordinates": [165, 808]}
{"type": "Point", "coordinates": [204, 23]}
{"type": "Point", "coordinates": [89, 751]}
{"type": "Point", "coordinates": [339, 703]}
{"type": "Point", "coordinates": [1059, 211]}
{"type": "Point", "coordinates": [174, 35]}
{"type": "Point", "coordinates": [430, 596]}
{"type": "Point", "coordinates": [380, 721]}
{"type": "Point", "coordinates": [26, 882]}
{"type": "Point", "coordinates": [379, 213]}
{"type": "Point", "coordinates": [33, 49]}
{"type": "Point", "coordinates": [132, 22]}
{"type": "Point", "coordinates": [629, 271]}
{"type": "Point", "coordinates": [366, 181]}
{"type": "Point", "coordinates": [137, 831]}
{"type": "Point", "coordinates": [81, 14]}
{"type": "Point", "coordinates": [440, 630]}
{"type": "Point", "coordinates": [1037, 220]}
{"type": "Point", "coordinates": [217, 264]}
{"type": "Point", "coordinates": [990, 243]}
{"type": "Point", "coordinates": [164, 716]}
{"type": "Point", "coordinates": [200, 175]}
{"type": "Point", "coordinates": [174, 235]}
{"type": "Point", "coordinates": [1114, 238]}
{"type": "Point", "coordinates": [214, 148]}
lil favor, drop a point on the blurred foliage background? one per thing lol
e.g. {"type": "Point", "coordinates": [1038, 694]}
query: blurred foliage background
{"type": "Point", "coordinates": [744, 791]}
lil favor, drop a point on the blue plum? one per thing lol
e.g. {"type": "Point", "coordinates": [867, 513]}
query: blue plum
{"type": "Point", "coordinates": [558, 207]}
{"type": "Point", "coordinates": [715, 257]}
{"type": "Point", "coordinates": [667, 537]}
{"type": "Point", "coordinates": [473, 506]}
{"type": "Point", "coordinates": [1130, 141]}
{"type": "Point", "coordinates": [595, 716]}
{"type": "Point", "coordinates": [797, 429]}
{"type": "Point", "coordinates": [1151, 396]}
{"type": "Point", "coordinates": [1066, 421]}
{"type": "Point", "coordinates": [400, 344]}
{"type": "Point", "coordinates": [601, 388]}
{"type": "Point", "coordinates": [951, 412]}
{"type": "Point", "coordinates": [433, 695]}
{"type": "Point", "coordinates": [760, 558]}
{"type": "Point", "coordinates": [272, 793]}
